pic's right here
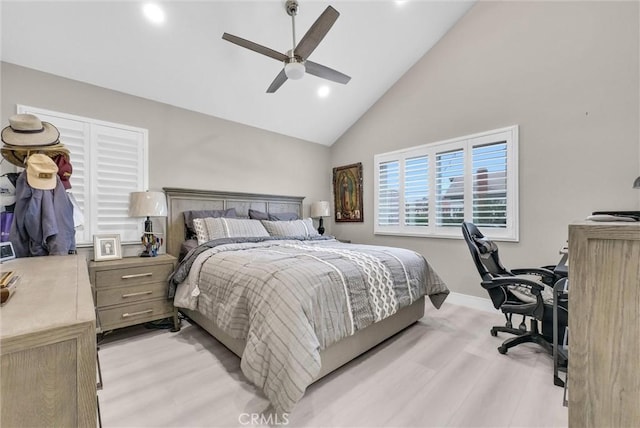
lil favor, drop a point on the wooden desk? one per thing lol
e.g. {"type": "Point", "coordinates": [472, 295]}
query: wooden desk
{"type": "Point", "coordinates": [48, 345]}
{"type": "Point", "coordinates": [604, 325]}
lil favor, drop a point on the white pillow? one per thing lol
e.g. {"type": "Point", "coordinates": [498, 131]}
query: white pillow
{"type": "Point", "coordinates": [291, 228]}
{"type": "Point", "coordinates": [213, 228]}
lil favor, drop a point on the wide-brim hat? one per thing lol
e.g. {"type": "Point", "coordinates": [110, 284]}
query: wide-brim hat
{"type": "Point", "coordinates": [28, 130]}
{"type": "Point", "coordinates": [42, 172]}
{"type": "Point", "coordinates": [18, 155]}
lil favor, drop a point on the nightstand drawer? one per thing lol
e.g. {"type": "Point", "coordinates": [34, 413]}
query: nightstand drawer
{"type": "Point", "coordinates": [108, 296]}
{"type": "Point", "coordinates": [133, 275]}
{"type": "Point", "coordinates": [125, 315]}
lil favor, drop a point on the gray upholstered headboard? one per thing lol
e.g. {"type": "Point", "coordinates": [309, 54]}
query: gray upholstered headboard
{"type": "Point", "coordinates": [180, 200]}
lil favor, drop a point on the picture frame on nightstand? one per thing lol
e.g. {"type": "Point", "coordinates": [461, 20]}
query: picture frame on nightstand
{"type": "Point", "coordinates": [107, 247]}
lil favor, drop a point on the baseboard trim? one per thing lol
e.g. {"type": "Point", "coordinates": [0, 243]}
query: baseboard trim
{"type": "Point", "coordinates": [474, 302]}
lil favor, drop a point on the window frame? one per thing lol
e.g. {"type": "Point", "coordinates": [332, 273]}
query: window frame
{"type": "Point", "coordinates": [84, 235]}
{"type": "Point", "coordinates": [466, 143]}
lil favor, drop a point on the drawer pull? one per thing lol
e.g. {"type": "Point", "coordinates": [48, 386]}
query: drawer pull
{"type": "Point", "coordinates": [141, 293]}
{"type": "Point", "coordinates": [134, 314]}
{"type": "Point", "coordinates": [137, 275]}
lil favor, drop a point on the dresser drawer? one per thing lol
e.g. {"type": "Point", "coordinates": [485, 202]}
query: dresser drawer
{"type": "Point", "coordinates": [133, 275]}
{"type": "Point", "coordinates": [109, 296]}
{"type": "Point", "coordinates": [121, 316]}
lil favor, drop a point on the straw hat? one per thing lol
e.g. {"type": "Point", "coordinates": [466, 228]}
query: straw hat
{"type": "Point", "coordinates": [42, 172]}
{"type": "Point", "coordinates": [18, 155]}
{"type": "Point", "coordinates": [28, 130]}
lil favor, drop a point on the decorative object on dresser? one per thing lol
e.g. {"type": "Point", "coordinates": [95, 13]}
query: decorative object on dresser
{"type": "Point", "coordinates": [148, 204]}
{"type": "Point", "coordinates": [48, 345]}
{"type": "Point", "coordinates": [320, 209]}
{"type": "Point", "coordinates": [132, 291]}
{"type": "Point", "coordinates": [347, 193]}
{"type": "Point", "coordinates": [106, 247]}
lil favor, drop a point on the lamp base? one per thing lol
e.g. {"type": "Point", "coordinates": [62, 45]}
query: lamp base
{"type": "Point", "coordinates": [151, 244]}
{"type": "Point", "coordinates": [320, 227]}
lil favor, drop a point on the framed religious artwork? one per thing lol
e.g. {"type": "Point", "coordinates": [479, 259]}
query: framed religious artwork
{"type": "Point", "coordinates": [347, 193]}
{"type": "Point", "coordinates": [106, 247]}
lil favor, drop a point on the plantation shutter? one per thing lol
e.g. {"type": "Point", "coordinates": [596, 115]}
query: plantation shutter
{"type": "Point", "coordinates": [450, 188]}
{"type": "Point", "coordinates": [109, 162]}
{"type": "Point", "coordinates": [118, 156]}
{"type": "Point", "coordinates": [389, 193]}
{"type": "Point", "coordinates": [416, 191]}
{"type": "Point", "coordinates": [490, 185]}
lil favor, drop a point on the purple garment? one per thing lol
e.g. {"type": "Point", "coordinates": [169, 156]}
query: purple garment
{"type": "Point", "coordinates": [43, 222]}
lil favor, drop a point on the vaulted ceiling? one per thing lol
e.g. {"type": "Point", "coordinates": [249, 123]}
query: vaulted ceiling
{"type": "Point", "coordinates": [184, 61]}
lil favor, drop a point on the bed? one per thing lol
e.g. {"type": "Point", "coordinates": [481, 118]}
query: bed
{"type": "Point", "coordinates": [299, 355]}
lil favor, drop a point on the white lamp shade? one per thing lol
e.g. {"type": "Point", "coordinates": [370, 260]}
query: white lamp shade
{"type": "Point", "coordinates": [294, 70]}
{"type": "Point", "coordinates": [147, 204]}
{"type": "Point", "coordinates": [320, 209]}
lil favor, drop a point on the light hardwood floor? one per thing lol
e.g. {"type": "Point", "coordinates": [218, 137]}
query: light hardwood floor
{"type": "Point", "coordinates": [443, 371]}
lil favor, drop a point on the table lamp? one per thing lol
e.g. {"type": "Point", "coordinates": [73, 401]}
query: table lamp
{"type": "Point", "coordinates": [320, 209]}
{"type": "Point", "coordinates": [148, 204]}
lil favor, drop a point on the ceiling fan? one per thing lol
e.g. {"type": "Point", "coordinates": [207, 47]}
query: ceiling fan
{"type": "Point", "coordinates": [295, 61]}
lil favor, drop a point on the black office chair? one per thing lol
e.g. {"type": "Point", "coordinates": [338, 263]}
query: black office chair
{"type": "Point", "coordinates": [513, 293]}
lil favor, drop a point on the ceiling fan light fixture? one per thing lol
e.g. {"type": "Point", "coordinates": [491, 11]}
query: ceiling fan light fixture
{"type": "Point", "coordinates": [294, 70]}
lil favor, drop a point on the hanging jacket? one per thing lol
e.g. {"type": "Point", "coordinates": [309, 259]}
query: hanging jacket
{"type": "Point", "coordinates": [43, 221]}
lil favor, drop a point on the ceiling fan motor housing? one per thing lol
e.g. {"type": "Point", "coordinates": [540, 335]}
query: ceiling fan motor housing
{"type": "Point", "coordinates": [292, 7]}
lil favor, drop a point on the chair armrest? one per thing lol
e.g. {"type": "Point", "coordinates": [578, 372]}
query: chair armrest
{"type": "Point", "coordinates": [543, 272]}
{"type": "Point", "coordinates": [535, 286]}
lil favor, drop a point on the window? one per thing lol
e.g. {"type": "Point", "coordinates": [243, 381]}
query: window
{"type": "Point", "coordinates": [109, 162]}
{"type": "Point", "coordinates": [430, 190]}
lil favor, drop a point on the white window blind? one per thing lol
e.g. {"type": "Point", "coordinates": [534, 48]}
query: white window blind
{"type": "Point", "coordinates": [440, 185]}
{"type": "Point", "coordinates": [109, 162]}
{"type": "Point", "coordinates": [416, 191]}
{"type": "Point", "coordinates": [388, 193]}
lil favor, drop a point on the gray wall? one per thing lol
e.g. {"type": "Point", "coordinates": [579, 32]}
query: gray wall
{"type": "Point", "coordinates": [186, 149]}
{"type": "Point", "coordinates": [566, 72]}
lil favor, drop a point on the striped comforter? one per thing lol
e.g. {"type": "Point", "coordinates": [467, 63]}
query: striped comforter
{"type": "Point", "coordinates": [290, 298]}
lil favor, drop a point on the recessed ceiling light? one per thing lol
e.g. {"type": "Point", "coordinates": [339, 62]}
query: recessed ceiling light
{"type": "Point", "coordinates": [323, 91]}
{"type": "Point", "coordinates": [154, 13]}
{"type": "Point", "coordinates": [400, 3]}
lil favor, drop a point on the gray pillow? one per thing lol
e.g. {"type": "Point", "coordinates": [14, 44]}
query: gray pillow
{"type": "Point", "coordinates": [283, 216]}
{"type": "Point", "coordinates": [258, 215]}
{"type": "Point", "coordinates": [190, 215]}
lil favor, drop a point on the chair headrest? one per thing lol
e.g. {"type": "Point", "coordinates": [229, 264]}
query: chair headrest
{"type": "Point", "coordinates": [485, 246]}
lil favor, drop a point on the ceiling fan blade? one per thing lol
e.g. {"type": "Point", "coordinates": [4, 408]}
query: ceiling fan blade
{"type": "Point", "coordinates": [326, 72]}
{"type": "Point", "coordinates": [254, 47]}
{"type": "Point", "coordinates": [316, 33]}
{"type": "Point", "coordinates": [277, 82]}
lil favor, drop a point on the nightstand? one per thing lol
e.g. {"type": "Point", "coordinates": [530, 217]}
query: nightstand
{"type": "Point", "coordinates": [132, 290]}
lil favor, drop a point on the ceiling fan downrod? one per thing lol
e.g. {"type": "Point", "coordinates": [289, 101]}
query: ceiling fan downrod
{"type": "Point", "coordinates": [292, 10]}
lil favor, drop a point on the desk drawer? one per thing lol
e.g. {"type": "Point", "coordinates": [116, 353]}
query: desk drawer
{"type": "Point", "coordinates": [133, 275]}
{"type": "Point", "coordinates": [121, 316]}
{"type": "Point", "coordinates": [109, 296]}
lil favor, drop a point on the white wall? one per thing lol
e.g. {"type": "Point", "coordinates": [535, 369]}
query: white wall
{"type": "Point", "coordinates": [566, 72]}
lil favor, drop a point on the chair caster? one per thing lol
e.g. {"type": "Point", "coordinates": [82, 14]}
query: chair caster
{"type": "Point", "coordinates": [502, 350]}
{"type": "Point", "coordinates": [494, 333]}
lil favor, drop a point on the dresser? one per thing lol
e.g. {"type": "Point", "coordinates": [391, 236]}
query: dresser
{"type": "Point", "coordinates": [48, 345]}
{"type": "Point", "coordinates": [604, 325]}
{"type": "Point", "coordinates": [132, 290]}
